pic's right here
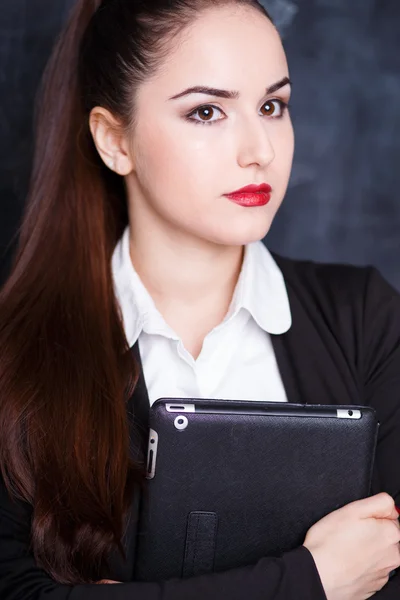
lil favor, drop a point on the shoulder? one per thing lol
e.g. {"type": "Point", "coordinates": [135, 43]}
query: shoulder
{"type": "Point", "coordinates": [337, 283]}
{"type": "Point", "coordinates": [354, 306]}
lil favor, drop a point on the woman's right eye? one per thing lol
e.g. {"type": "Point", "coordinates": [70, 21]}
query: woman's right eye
{"type": "Point", "coordinates": [205, 114]}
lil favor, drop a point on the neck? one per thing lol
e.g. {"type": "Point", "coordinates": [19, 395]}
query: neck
{"type": "Point", "coordinates": [184, 273]}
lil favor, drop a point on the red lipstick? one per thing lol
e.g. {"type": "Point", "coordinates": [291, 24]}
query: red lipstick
{"type": "Point", "coordinates": [251, 195]}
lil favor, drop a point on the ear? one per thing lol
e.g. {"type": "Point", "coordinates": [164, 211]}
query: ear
{"type": "Point", "coordinates": [111, 141]}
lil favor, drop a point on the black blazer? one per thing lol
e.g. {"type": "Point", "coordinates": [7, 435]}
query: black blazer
{"type": "Point", "coordinates": [343, 348]}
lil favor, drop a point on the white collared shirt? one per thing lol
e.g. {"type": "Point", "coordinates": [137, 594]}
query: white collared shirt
{"type": "Point", "coordinates": [237, 360]}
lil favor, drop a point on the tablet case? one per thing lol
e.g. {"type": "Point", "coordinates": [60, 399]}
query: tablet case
{"type": "Point", "coordinates": [233, 481]}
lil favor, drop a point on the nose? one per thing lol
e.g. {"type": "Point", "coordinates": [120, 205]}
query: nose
{"type": "Point", "coordinates": [254, 146]}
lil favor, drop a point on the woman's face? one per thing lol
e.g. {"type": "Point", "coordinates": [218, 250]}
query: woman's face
{"type": "Point", "coordinates": [188, 151]}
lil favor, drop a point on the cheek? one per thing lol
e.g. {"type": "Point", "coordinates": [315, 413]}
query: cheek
{"type": "Point", "coordinates": [283, 144]}
{"type": "Point", "coordinates": [285, 148]}
{"type": "Point", "coordinates": [177, 164]}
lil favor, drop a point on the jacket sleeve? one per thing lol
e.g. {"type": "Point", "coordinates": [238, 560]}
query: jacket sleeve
{"type": "Point", "coordinates": [293, 576]}
{"type": "Point", "coordinates": [381, 366]}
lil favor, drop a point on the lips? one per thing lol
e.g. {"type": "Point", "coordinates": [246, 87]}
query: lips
{"type": "Point", "coordinates": [253, 188]}
{"type": "Point", "coordinates": [251, 195]}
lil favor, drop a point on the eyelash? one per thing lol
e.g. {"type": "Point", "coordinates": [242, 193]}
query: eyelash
{"type": "Point", "coordinates": [284, 107]}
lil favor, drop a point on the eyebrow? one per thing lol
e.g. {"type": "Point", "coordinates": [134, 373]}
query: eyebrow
{"type": "Point", "coordinates": [199, 89]}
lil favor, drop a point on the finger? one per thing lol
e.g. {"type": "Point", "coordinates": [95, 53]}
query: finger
{"type": "Point", "coordinates": [394, 522]}
{"type": "Point", "coordinates": [380, 506]}
{"type": "Point", "coordinates": [394, 515]}
{"type": "Point", "coordinates": [396, 526]}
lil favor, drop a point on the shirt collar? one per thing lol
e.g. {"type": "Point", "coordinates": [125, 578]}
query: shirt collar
{"type": "Point", "coordinates": [260, 289]}
{"type": "Point", "coordinates": [139, 313]}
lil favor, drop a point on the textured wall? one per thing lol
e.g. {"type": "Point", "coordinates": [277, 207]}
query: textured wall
{"type": "Point", "coordinates": [344, 58]}
{"type": "Point", "coordinates": [27, 31]}
{"type": "Point", "coordinates": [343, 201]}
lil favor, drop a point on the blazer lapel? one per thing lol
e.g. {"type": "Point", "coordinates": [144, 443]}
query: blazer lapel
{"type": "Point", "coordinates": [312, 362]}
{"type": "Point", "coordinates": [139, 405]}
{"type": "Point", "coordinates": [283, 355]}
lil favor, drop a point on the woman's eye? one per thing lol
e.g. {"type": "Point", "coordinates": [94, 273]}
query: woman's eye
{"type": "Point", "coordinates": [272, 106]}
{"type": "Point", "coordinates": [205, 114]}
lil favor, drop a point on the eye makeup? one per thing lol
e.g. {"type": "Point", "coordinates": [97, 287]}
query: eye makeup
{"type": "Point", "coordinates": [284, 106]}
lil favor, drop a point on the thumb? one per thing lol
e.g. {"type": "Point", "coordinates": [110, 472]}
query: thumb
{"type": "Point", "coordinates": [380, 506]}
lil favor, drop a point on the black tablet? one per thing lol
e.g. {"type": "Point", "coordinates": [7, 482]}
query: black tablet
{"type": "Point", "coordinates": [232, 481]}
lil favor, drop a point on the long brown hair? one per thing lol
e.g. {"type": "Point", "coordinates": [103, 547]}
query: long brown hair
{"type": "Point", "coordinates": [65, 368]}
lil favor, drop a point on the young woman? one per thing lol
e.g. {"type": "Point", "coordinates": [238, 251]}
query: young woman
{"type": "Point", "coordinates": [140, 273]}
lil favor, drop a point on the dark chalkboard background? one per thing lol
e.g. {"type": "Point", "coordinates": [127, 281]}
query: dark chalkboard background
{"type": "Point", "coordinates": [344, 57]}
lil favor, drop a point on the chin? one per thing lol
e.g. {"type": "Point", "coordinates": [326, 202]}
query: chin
{"type": "Point", "coordinates": [245, 234]}
{"type": "Point", "coordinates": [247, 231]}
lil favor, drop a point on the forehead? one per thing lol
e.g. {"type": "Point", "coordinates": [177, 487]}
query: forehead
{"type": "Point", "coordinates": [231, 46]}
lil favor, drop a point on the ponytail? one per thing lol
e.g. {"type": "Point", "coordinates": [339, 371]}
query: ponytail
{"type": "Point", "coordinates": [65, 363]}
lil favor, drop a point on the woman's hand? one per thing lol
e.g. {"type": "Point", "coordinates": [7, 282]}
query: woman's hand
{"type": "Point", "coordinates": [356, 547]}
{"type": "Point", "coordinates": [107, 581]}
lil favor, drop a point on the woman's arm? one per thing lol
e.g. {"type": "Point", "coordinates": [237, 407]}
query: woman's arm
{"type": "Point", "coordinates": [292, 577]}
{"type": "Point", "coordinates": [381, 363]}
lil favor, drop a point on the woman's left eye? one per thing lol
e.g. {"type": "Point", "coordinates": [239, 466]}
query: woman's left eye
{"type": "Point", "coordinates": [206, 112]}
{"type": "Point", "coordinates": [271, 108]}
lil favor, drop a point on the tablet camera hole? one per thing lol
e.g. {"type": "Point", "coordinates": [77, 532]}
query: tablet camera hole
{"type": "Point", "coordinates": [181, 423]}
